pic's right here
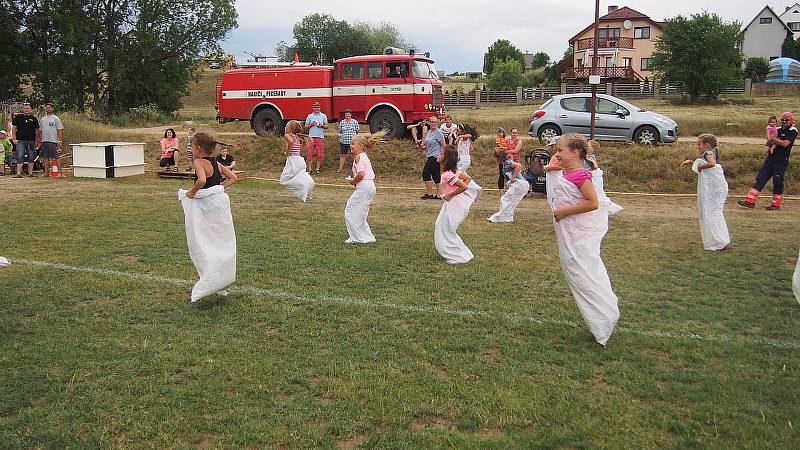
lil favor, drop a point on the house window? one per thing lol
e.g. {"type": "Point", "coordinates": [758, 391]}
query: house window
{"type": "Point", "coordinates": [609, 32]}
{"type": "Point", "coordinates": [609, 61]}
{"type": "Point", "coordinates": [641, 33]}
{"type": "Point", "coordinates": [765, 20]}
{"type": "Point", "coordinates": [794, 26]}
{"type": "Point", "coordinates": [645, 63]}
{"type": "Point", "coordinates": [626, 62]}
{"type": "Point", "coordinates": [579, 62]}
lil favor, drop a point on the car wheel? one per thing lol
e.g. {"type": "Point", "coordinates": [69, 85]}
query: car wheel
{"type": "Point", "coordinates": [388, 120]}
{"type": "Point", "coordinates": [267, 122]}
{"type": "Point", "coordinates": [646, 135]}
{"type": "Point", "coordinates": [547, 132]}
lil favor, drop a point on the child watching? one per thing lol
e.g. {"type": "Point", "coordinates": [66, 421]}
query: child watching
{"type": "Point", "coordinates": [5, 151]}
{"type": "Point", "coordinates": [449, 130]}
{"type": "Point", "coordinates": [772, 132]}
{"type": "Point", "coordinates": [500, 142]}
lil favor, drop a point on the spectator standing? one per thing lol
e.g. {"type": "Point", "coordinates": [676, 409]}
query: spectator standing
{"type": "Point", "coordinates": [52, 132]}
{"type": "Point", "coordinates": [774, 166]}
{"type": "Point", "coordinates": [189, 153]}
{"type": "Point", "coordinates": [316, 124]}
{"type": "Point", "coordinates": [348, 128]}
{"type": "Point", "coordinates": [25, 137]}
{"type": "Point", "coordinates": [431, 175]}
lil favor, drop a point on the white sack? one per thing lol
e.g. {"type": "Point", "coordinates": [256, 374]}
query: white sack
{"type": "Point", "coordinates": [579, 237]}
{"type": "Point", "coordinates": [448, 242]}
{"type": "Point", "coordinates": [356, 212]}
{"type": "Point", "coordinates": [464, 161]}
{"type": "Point", "coordinates": [4, 263]}
{"type": "Point", "coordinates": [712, 190]}
{"type": "Point", "coordinates": [295, 178]}
{"type": "Point", "coordinates": [473, 190]}
{"type": "Point", "coordinates": [796, 280]}
{"type": "Point", "coordinates": [599, 186]}
{"type": "Point", "coordinates": [211, 239]}
{"type": "Point", "coordinates": [509, 201]}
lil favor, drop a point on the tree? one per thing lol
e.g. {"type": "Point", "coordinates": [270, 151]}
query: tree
{"type": "Point", "coordinates": [699, 52]}
{"type": "Point", "coordinates": [320, 38]}
{"type": "Point", "coordinates": [540, 59]}
{"type": "Point", "coordinates": [756, 68]}
{"type": "Point", "coordinates": [12, 49]}
{"type": "Point", "coordinates": [502, 50]}
{"type": "Point", "coordinates": [507, 75]}
{"type": "Point", "coordinates": [119, 54]}
{"type": "Point", "coordinates": [790, 48]}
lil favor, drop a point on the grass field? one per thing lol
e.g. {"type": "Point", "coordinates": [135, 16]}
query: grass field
{"type": "Point", "coordinates": [385, 346]}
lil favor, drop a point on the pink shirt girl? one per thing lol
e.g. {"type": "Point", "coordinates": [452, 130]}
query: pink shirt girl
{"type": "Point", "coordinates": [363, 165]}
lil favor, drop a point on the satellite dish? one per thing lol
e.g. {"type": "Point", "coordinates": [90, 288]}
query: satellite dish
{"type": "Point", "coordinates": [627, 24]}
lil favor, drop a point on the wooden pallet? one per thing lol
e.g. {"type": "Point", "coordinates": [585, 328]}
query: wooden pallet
{"type": "Point", "coordinates": [183, 174]}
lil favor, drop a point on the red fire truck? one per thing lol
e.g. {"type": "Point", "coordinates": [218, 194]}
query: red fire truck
{"type": "Point", "coordinates": [384, 91]}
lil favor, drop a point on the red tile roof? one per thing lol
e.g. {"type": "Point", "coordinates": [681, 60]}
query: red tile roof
{"type": "Point", "coordinates": [623, 13]}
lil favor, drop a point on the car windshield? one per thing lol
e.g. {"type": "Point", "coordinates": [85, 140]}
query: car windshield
{"type": "Point", "coordinates": [424, 69]}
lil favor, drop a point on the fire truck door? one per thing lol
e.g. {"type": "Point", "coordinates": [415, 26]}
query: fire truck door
{"type": "Point", "coordinates": [349, 90]}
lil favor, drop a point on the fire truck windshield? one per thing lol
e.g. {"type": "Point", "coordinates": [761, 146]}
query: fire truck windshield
{"type": "Point", "coordinates": [424, 69]}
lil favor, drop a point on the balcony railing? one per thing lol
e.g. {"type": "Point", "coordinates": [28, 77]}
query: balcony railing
{"type": "Point", "coordinates": [574, 73]}
{"type": "Point", "coordinates": [609, 42]}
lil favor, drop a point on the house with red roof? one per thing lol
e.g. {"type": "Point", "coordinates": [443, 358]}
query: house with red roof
{"type": "Point", "coordinates": [626, 45]}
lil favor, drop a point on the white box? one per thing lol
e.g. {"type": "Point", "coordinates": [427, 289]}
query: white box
{"type": "Point", "coordinates": [107, 159]}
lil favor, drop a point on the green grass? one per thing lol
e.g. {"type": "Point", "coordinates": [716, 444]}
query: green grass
{"type": "Point", "coordinates": [706, 355]}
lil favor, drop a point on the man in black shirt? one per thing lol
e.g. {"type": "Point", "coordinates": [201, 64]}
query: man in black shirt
{"type": "Point", "coordinates": [774, 166]}
{"type": "Point", "coordinates": [25, 137]}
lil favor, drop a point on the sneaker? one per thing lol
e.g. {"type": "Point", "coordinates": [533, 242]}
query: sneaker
{"type": "Point", "coordinates": [436, 197]}
{"type": "Point", "coordinates": [426, 197]}
{"type": "Point", "coordinates": [772, 208]}
{"type": "Point", "coordinates": [745, 204]}
{"type": "Point", "coordinates": [17, 176]}
{"type": "Point", "coordinates": [317, 171]}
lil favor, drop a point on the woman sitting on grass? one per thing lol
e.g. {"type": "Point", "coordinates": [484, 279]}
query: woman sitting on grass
{"type": "Point", "coordinates": [169, 147]}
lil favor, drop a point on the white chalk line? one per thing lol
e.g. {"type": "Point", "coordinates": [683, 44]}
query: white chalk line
{"type": "Point", "coordinates": [424, 310]}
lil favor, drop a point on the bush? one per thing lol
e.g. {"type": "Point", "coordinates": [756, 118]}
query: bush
{"type": "Point", "coordinates": [507, 76]}
{"type": "Point", "coordinates": [757, 68]}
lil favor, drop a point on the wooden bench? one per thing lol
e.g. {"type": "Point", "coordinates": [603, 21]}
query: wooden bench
{"type": "Point", "coordinates": [183, 174]}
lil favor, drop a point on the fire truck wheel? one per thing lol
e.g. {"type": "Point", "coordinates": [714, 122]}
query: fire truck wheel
{"type": "Point", "coordinates": [267, 122]}
{"type": "Point", "coordinates": [388, 120]}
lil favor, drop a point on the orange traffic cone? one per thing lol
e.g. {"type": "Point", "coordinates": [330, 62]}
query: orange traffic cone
{"type": "Point", "coordinates": [54, 168]}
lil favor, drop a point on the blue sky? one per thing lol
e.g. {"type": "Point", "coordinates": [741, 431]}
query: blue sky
{"type": "Point", "coordinates": [457, 33]}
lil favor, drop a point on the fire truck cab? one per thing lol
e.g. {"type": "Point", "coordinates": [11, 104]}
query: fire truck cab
{"type": "Point", "coordinates": [384, 91]}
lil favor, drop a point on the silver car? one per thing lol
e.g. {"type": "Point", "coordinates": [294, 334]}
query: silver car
{"type": "Point", "coordinates": [616, 120]}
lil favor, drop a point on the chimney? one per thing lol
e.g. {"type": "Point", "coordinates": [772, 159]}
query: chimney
{"type": "Point", "coordinates": [612, 8]}
{"type": "Point", "coordinates": [787, 8]}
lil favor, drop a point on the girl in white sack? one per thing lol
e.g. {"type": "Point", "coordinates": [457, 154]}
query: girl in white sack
{"type": "Point", "coordinates": [294, 177]}
{"type": "Point", "coordinates": [580, 227]}
{"type": "Point", "coordinates": [459, 192]}
{"type": "Point", "coordinates": [518, 187]}
{"type": "Point", "coordinates": [209, 225]}
{"type": "Point", "coordinates": [357, 209]}
{"type": "Point", "coordinates": [712, 190]}
{"type": "Point", "coordinates": [467, 134]}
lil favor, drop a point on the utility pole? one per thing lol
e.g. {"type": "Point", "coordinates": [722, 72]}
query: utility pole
{"type": "Point", "coordinates": [595, 59]}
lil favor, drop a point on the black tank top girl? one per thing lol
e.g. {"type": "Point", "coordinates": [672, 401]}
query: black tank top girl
{"type": "Point", "coordinates": [215, 177]}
